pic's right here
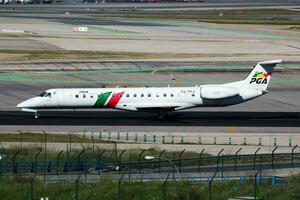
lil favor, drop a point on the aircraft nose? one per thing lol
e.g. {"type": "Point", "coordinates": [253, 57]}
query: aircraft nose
{"type": "Point", "coordinates": [28, 103]}
{"type": "Point", "coordinates": [21, 105]}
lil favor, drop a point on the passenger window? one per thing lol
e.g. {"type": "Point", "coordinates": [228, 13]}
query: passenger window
{"type": "Point", "coordinates": [127, 95]}
{"type": "Point", "coordinates": [142, 95]}
{"type": "Point", "coordinates": [76, 95]}
{"type": "Point", "coordinates": [165, 94]}
{"type": "Point", "coordinates": [193, 95]}
{"type": "Point", "coordinates": [84, 96]}
{"type": "Point", "coordinates": [157, 95]}
{"type": "Point", "coordinates": [134, 95]}
{"type": "Point", "coordinates": [172, 95]}
{"type": "Point", "coordinates": [48, 95]}
{"type": "Point", "coordinates": [149, 95]}
{"type": "Point", "coordinates": [92, 96]}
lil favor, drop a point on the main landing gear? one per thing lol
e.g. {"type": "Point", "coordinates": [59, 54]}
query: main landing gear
{"type": "Point", "coordinates": [162, 115]}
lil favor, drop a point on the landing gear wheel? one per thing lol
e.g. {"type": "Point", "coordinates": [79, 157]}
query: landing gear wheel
{"type": "Point", "coordinates": [36, 115]}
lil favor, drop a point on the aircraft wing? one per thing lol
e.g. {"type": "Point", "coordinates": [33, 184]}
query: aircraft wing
{"type": "Point", "coordinates": [167, 107]}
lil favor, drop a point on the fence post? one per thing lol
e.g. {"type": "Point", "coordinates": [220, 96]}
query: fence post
{"type": "Point", "coordinates": [1, 162]}
{"type": "Point", "coordinates": [292, 155]}
{"type": "Point", "coordinates": [222, 166]}
{"type": "Point", "coordinates": [93, 144]}
{"type": "Point", "coordinates": [70, 145]}
{"type": "Point", "coordinates": [273, 156]}
{"type": "Point", "coordinates": [140, 160]}
{"type": "Point", "coordinates": [200, 157]}
{"type": "Point", "coordinates": [254, 160]}
{"type": "Point", "coordinates": [209, 188]}
{"type": "Point", "coordinates": [255, 183]}
{"type": "Point", "coordinates": [129, 166]}
{"type": "Point", "coordinates": [100, 155]}
{"type": "Point", "coordinates": [32, 188]}
{"type": "Point", "coordinates": [212, 178]}
{"type": "Point", "coordinates": [45, 161]}
{"type": "Point", "coordinates": [57, 161]}
{"type": "Point", "coordinates": [165, 186]}
{"type": "Point", "coordinates": [127, 137]}
{"type": "Point", "coordinates": [120, 159]}
{"type": "Point", "coordinates": [120, 188]}
{"type": "Point", "coordinates": [159, 159]}
{"type": "Point", "coordinates": [15, 168]}
{"type": "Point", "coordinates": [173, 171]}
{"type": "Point", "coordinates": [35, 163]}
{"type": "Point", "coordinates": [77, 188]}
{"type": "Point", "coordinates": [180, 154]}
{"type": "Point", "coordinates": [235, 157]}
{"type": "Point", "coordinates": [21, 139]}
{"type": "Point", "coordinates": [219, 158]}
{"type": "Point", "coordinates": [78, 157]}
{"type": "Point", "coordinates": [100, 135]}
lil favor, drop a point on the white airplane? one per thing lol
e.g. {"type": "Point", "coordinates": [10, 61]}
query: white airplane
{"type": "Point", "coordinates": [159, 100]}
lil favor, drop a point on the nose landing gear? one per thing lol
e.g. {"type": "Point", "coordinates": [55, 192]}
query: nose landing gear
{"type": "Point", "coordinates": [36, 115]}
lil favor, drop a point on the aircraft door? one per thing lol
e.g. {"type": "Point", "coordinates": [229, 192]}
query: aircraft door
{"type": "Point", "coordinates": [59, 97]}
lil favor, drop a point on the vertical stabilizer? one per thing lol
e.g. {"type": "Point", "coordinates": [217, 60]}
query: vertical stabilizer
{"type": "Point", "coordinates": [259, 78]}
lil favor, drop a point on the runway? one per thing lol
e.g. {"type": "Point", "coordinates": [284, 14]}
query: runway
{"type": "Point", "coordinates": [136, 119]}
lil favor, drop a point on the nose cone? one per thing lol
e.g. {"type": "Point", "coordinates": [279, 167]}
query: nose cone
{"type": "Point", "coordinates": [30, 103]}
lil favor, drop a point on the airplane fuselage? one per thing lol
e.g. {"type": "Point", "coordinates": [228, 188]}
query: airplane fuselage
{"type": "Point", "coordinates": [157, 99]}
{"type": "Point", "coordinates": [135, 99]}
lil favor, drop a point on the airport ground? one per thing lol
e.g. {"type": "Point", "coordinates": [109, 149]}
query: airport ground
{"type": "Point", "coordinates": [144, 45]}
{"type": "Point", "coordinates": [150, 46]}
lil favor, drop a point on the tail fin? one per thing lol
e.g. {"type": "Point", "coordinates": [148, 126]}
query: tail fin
{"type": "Point", "coordinates": [260, 76]}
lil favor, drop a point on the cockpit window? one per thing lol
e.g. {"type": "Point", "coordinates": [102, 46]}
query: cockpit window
{"type": "Point", "coordinates": [43, 94]}
{"type": "Point", "coordinates": [48, 95]}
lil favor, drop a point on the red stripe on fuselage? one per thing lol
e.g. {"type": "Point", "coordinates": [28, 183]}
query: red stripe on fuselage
{"type": "Point", "coordinates": [114, 100]}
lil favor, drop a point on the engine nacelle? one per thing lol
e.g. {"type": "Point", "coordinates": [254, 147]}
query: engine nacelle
{"type": "Point", "coordinates": [218, 92]}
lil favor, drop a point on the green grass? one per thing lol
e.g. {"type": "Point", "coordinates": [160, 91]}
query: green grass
{"type": "Point", "coordinates": [294, 28]}
{"type": "Point", "coordinates": [19, 188]}
{"type": "Point", "coordinates": [252, 21]}
{"type": "Point", "coordinates": [234, 16]}
{"type": "Point", "coordinates": [24, 55]}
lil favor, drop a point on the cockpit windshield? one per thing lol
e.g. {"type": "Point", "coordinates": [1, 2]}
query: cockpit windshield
{"type": "Point", "coordinates": [42, 94]}
{"type": "Point", "coordinates": [45, 94]}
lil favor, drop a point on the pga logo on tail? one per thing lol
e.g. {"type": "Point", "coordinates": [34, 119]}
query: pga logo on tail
{"type": "Point", "coordinates": [260, 78]}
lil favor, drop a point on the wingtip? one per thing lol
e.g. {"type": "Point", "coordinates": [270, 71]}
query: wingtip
{"type": "Point", "coordinates": [271, 61]}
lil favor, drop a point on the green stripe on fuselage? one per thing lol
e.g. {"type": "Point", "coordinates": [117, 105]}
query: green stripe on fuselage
{"type": "Point", "coordinates": [102, 98]}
